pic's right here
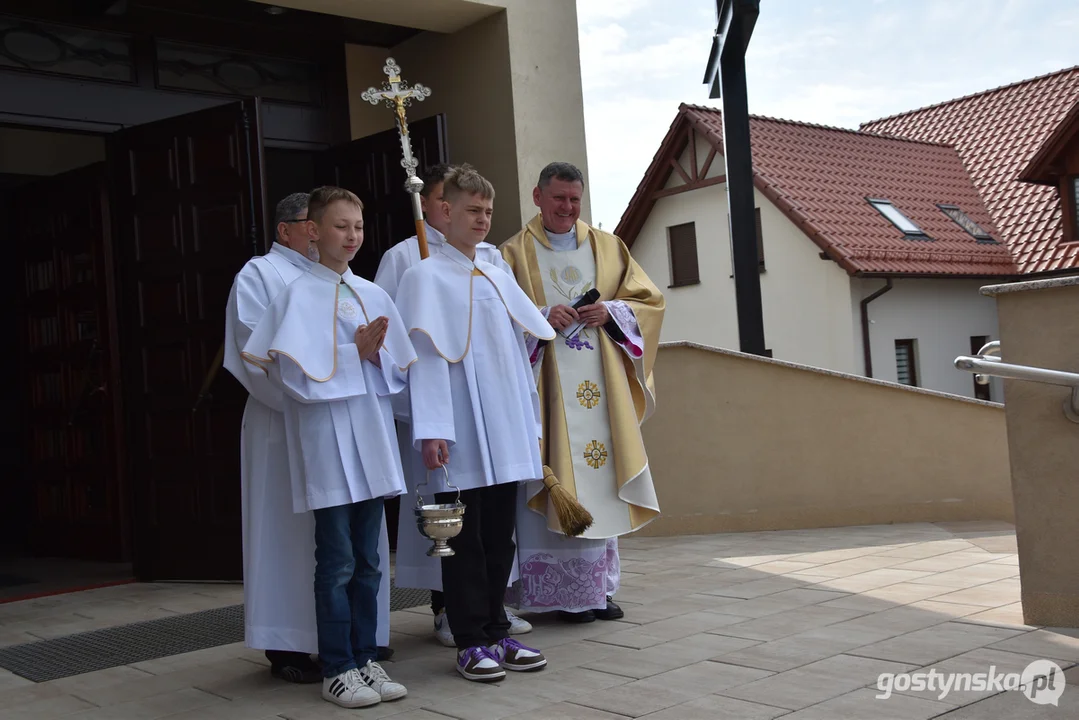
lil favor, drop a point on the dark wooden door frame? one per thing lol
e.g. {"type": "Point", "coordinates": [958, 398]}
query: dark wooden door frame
{"type": "Point", "coordinates": [92, 384]}
{"type": "Point", "coordinates": [184, 476]}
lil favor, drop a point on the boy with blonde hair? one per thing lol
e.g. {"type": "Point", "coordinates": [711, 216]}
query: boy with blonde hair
{"type": "Point", "coordinates": [472, 390]}
{"type": "Point", "coordinates": [415, 569]}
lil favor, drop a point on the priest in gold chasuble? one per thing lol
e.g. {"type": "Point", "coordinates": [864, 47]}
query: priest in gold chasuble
{"type": "Point", "coordinates": [596, 389]}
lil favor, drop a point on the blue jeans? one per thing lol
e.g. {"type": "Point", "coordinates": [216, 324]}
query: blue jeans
{"type": "Point", "coordinates": [346, 584]}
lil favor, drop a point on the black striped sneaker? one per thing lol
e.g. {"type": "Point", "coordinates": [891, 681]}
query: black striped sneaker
{"type": "Point", "coordinates": [349, 690]}
{"type": "Point", "coordinates": [377, 679]}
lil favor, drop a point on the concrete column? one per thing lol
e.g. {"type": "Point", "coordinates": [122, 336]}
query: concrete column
{"type": "Point", "coordinates": [1039, 327]}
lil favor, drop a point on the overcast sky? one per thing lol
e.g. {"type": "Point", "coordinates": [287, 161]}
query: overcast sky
{"type": "Point", "coordinates": [834, 62]}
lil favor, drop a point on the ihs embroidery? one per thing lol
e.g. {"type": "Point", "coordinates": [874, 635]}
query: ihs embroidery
{"type": "Point", "coordinates": [588, 394]}
{"type": "Point", "coordinates": [346, 310]}
{"type": "Point", "coordinates": [595, 454]}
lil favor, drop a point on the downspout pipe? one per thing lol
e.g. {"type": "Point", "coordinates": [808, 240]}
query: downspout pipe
{"type": "Point", "coordinates": [866, 348]}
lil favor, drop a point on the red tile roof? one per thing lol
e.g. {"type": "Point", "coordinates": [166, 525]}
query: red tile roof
{"type": "Point", "coordinates": [997, 133]}
{"type": "Point", "coordinates": [820, 178]}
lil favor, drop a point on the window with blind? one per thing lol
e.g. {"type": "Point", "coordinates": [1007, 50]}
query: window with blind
{"type": "Point", "coordinates": [906, 361]}
{"type": "Point", "coordinates": [682, 241]}
{"type": "Point", "coordinates": [977, 342]}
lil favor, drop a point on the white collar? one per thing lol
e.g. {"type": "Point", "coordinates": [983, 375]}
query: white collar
{"type": "Point", "coordinates": [324, 273]}
{"type": "Point", "coordinates": [291, 255]}
{"type": "Point", "coordinates": [457, 256]}
{"type": "Point", "coordinates": [562, 240]}
{"type": "Point", "coordinates": [434, 235]}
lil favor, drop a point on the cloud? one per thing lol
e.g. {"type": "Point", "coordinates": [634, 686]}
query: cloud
{"type": "Point", "coordinates": [590, 12]}
{"type": "Point", "coordinates": [840, 63]}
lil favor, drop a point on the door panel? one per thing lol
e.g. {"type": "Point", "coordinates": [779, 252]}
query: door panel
{"type": "Point", "coordinates": [371, 167]}
{"type": "Point", "coordinates": [67, 353]}
{"type": "Point", "coordinates": [189, 203]}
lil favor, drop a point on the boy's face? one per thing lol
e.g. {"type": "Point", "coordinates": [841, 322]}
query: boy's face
{"type": "Point", "coordinates": [468, 218]}
{"type": "Point", "coordinates": [339, 233]}
{"type": "Point", "coordinates": [432, 204]}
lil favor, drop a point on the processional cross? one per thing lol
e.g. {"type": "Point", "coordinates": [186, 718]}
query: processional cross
{"type": "Point", "coordinates": [398, 96]}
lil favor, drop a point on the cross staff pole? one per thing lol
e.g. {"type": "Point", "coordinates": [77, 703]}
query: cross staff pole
{"type": "Point", "coordinates": [398, 96]}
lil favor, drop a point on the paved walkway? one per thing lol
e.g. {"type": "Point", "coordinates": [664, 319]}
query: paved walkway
{"type": "Point", "coordinates": [748, 626]}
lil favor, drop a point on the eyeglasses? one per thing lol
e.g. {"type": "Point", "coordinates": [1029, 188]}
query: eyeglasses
{"type": "Point", "coordinates": [297, 220]}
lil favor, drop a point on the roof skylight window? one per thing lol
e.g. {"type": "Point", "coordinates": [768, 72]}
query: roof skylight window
{"type": "Point", "coordinates": [901, 221]}
{"type": "Point", "coordinates": [963, 220]}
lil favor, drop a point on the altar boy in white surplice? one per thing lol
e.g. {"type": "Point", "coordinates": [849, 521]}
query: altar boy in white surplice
{"type": "Point", "coordinates": [335, 345]}
{"type": "Point", "coordinates": [415, 569]}
{"type": "Point", "coordinates": [475, 412]}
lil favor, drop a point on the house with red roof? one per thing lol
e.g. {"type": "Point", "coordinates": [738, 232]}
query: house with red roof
{"type": "Point", "coordinates": [872, 243]}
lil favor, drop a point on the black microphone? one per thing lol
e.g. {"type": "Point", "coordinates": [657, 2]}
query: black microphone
{"type": "Point", "coordinates": [611, 327]}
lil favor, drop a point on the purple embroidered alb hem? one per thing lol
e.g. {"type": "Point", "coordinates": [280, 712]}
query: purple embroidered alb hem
{"type": "Point", "coordinates": [574, 584]}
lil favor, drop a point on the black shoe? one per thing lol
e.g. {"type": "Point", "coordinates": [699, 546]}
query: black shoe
{"type": "Point", "coordinates": [383, 654]}
{"type": "Point", "coordinates": [298, 668]}
{"type": "Point", "coordinates": [577, 617]}
{"type": "Point", "coordinates": [611, 612]}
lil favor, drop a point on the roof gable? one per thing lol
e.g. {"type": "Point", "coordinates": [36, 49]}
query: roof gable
{"type": "Point", "coordinates": [821, 177]}
{"type": "Point", "coordinates": [999, 133]}
{"type": "Point", "coordinates": [1045, 167]}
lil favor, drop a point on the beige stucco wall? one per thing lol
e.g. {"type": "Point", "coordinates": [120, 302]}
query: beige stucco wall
{"type": "Point", "coordinates": [806, 300]}
{"type": "Point", "coordinates": [742, 443]}
{"type": "Point", "coordinates": [510, 87]}
{"type": "Point", "coordinates": [940, 315]}
{"type": "Point", "coordinates": [1039, 327]}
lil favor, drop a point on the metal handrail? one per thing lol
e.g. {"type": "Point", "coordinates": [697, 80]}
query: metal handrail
{"type": "Point", "coordinates": [984, 364]}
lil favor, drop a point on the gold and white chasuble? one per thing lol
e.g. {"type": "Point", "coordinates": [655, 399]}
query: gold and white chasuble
{"type": "Point", "coordinates": [595, 395]}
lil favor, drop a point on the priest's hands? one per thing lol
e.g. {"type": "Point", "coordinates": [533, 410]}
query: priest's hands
{"type": "Point", "coordinates": [561, 317]}
{"type": "Point", "coordinates": [594, 315]}
{"type": "Point", "coordinates": [436, 453]}
{"type": "Point", "coordinates": [369, 338]}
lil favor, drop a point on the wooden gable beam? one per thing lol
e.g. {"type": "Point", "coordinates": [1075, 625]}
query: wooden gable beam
{"type": "Point", "coordinates": [708, 162]}
{"type": "Point", "coordinates": [678, 166]}
{"type": "Point", "coordinates": [696, 185]}
{"type": "Point", "coordinates": [692, 145]}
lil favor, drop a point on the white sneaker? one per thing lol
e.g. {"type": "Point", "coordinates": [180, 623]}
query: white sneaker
{"type": "Point", "coordinates": [377, 679]}
{"type": "Point", "coordinates": [349, 690]}
{"type": "Point", "coordinates": [517, 625]}
{"type": "Point", "coordinates": [442, 630]}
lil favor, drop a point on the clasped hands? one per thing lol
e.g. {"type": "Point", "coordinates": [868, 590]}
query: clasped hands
{"type": "Point", "coordinates": [369, 339]}
{"type": "Point", "coordinates": [562, 316]}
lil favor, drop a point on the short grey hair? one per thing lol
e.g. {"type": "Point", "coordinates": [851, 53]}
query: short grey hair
{"type": "Point", "coordinates": [561, 171]}
{"type": "Point", "coordinates": [293, 207]}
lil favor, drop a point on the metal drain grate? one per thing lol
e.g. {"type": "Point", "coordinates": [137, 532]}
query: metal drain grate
{"type": "Point", "coordinates": [404, 598]}
{"type": "Point", "coordinates": [148, 640]}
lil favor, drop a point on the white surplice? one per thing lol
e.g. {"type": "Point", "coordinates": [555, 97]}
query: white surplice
{"type": "Point", "coordinates": [406, 253]}
{"type": "Point", "coordinates": [278, 545]}
{"type": "Point", "coordinates": [414, 569]}
{"type": "Point", "coordinates": [472, 383]}
{"type": "Point", "coordinates": [283, 384]}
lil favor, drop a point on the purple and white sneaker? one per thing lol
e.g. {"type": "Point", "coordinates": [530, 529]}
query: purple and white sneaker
{"type": "Point", "coordinates": [479, 664]}
{"type": "Point", "coordinates": [512, 655]}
